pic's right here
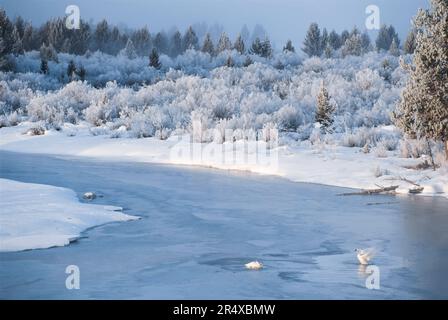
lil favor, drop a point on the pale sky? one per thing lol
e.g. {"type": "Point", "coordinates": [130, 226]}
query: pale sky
{"type": "Point", "coordinates": [283, 19]}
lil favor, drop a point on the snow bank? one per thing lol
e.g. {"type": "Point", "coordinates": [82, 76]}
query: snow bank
{"type": "Point", "coordinates": [36, 216]}
{"type": "Point", "coordinates": [320, 163]}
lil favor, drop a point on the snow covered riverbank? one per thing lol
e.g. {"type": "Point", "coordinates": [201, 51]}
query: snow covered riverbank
{"type": "Point", "coordinates": [36, 216]}
{"type": "Point", "coordinates": [320, 163]}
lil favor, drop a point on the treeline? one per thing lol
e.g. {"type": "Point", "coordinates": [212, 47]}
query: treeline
{"type": "Point", "coordinates": [18, 36]}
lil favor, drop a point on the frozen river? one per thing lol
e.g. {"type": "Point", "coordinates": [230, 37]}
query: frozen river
{"type": "Point", "coordinates": [200, 226]}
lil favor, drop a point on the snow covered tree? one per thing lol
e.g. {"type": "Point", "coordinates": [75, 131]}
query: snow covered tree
{"type": "Point", "coordinates": [328, 52]}
{"type": "Point", "coordinates": [344, 36]}
{"type": "Point", "coordinates": [229, 62]}
{"type": "Point", "coordinates": [409, 44]}
{"type": "Point", "coordinates": [44, 66]}
{"type": "Point", "coordinates": [334, 40]}
{"type": "Point", "coordinates": [312, 45]}
{"type": "Point", "coordinates": [385, 37]}
{"type": "Point", "coordinates": [6, 40]}
{"type": "Point", "coordinates": [48, 53]}
{"type": "Point", "coordinates": [224, 43]}
{"type": "Point", "coordinates": [161, 42]}
{"type": "Point", "coordinates": [129, 50]}
{"type": "Point", "coordinates": [17, 45]}
{"type": "Point", "coordinates": [423, 110]}
{"type": "Point", "coordinates": [324, 39]}
{"type": "Point", "coordinates": [266, 48]}
{"type": "Point", "coordinates": [289, 47]}
{"type": "Point", "coordinates": [190, 40]}
{"type": "Point", "coordinates": [353, 46]}
{"type": "Point", "coordinates": [365, 42]}
{"type": "Point", "coordinates": [394, 50]}
{"type": "Point", "coordinates": [81, 72]}
{"type": "Point", "coordinates": [101, 36]}
{"type": "Point", "coordinates": [176, 44]}
{"type": "Point", "coordinates": [154, 59]}
{"type": "Point", "coordinates": [208, 46]}
{"type": "Point", "coordinates": [256, 47]}
{"type": "Point", "coordinates": [239, 45]}
{"type": "Point", "coordinates": [71, 70]}
{"type": "Point", "coordinates": [324, 112]}
{"type": "Point", "coordinates": [248, 61]}
{"type": "Point", "coordinates": [142, 41]}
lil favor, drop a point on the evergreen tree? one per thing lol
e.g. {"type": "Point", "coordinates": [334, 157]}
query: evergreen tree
{"type": "Point", "coordinates": [81, 72]}
{"type": "Point", "coordinates": [176, 44]}
{"type": "Point", "coordinates": [208, 46]}
{"type": "Point", "coordinates": [344, 36]}
{"type": "Point", "coordinates": [101, 36]}
{"type": "Point", "coordinates": [129, 50]}
{"type": "Point", "coordinates": [224, 43]}
{"type": "Point", "coordinates": [324, 39]}
{"type": "Point", "coordinates": [410, 43]}
{"type": "Point", "coordinates": [312, 45]}
{"type": "Point", "coordinates": [239, 45]}
{"type": "Point", "coordinates": [423, 110]}
{"type": "Point", "coordinates": [190, 40]}
{"type": "Point", "coordinates": [161, 42]}
{"type": "Point", "coordinates": [266, 48]}
{"type": "Point", "coordinates": [256, 47]}
{"type": "Point", "coordinates": [27, 40]}
{"type": "Point", "coordinates": [289, 47]}
{"type": "Point", "coordinates": [385, 37]}
{"type": "Point", "coordinates": [365, 42]}
{"type": "Point", "coordinates": [328, 51]}
{"type": "Point", "coordinates": [44, 66]}
{"type": "Point", "coordinates": [324, 112]}
{"type": "Point", "coordinates": [17, 45]}
{"type": "Point", "coordinates": [48, 53]}
{"type": "Point", "coordinates": [394, 50]}
{"type": "Point", "coordinates": [71, 70]}
{"type": "Point", "coordinates": [229, 62]}
{"type": "Point", "coordinates": [6, 40]}
{"type": "Point", "coordinates": [334, 40]}
{"type": "Point", "coordinates": [154, 59]}
{"type": "Point", "coordinates": [353, 46]}
{"type": "Point", "coordinates": [142, 41]}
{"type": "Point", "coordinates": [248, 61]}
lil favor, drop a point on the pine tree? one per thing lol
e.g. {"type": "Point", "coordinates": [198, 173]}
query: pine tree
{"type": "Point", "coordinates": [324, 112]}
{"type": "Point", "coordinates": [207, 46]}
{"type": "Point", "coordinates": [6, 40]}
{"type": "Point", "coordinates": [423, 110]}
{"type": "Point", "coordinates": [190, 40]}
{"type": "Point", "coordinates": [324, 39]}
{"type": "Point", "coordinates": [248, 61]}
{"type": "Point", "coordinates": [224, 43]}
{"type": "Point", "coordinates": [81, 72]}
{"type": "Point", "coordinates": [239, 45]}
{"type": "Point", "coordinates": [71, 70]}
{"type": "Point", "coordinates": [365, 42]}
{"type": "Point", "coordinates": [17, 46]}
{"type": "Point", "coordinates": [154, 59]}
{"type": "Point", "coordinates": [409, 44]}
{"type": "Point", "coordinates": [44, 66]}
{"type": "Point", "coordinates": [266, 48]}
{"type": "Point", "coordinates": [101, 36]}
{"type": "Point", "coordinates": [229, 62]}
{"type": "Point", "coordinates": [344, 36]}
{"type": "Point", "coordinates": [352, 46]}
{"type": "Point", "coordinates": [176, 44]}
{"type": "Point", "coordinates": [142, 41]}
{"type": "Point", "coordinates": [334, 40]}
{"type": "Point", "coordinates": [394, 50]}
{"type": "Point", "coordinates": [161, 42]}
{"type": "Point", "coordinates": [129, 50]}
{"type": "Point", "coordinates": [256, 47]}
{"type": "Point", "coordinates": [312, 45]}
{"type": "Point", "coordinates": [385, 37]}
{"type": "Point", "coordinates": [289, 47]}
{"type": "Point", "coordinates": [328, 51]}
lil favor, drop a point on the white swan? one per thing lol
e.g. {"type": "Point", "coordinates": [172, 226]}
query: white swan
{"type": "Point", "coordinates": [365, 255]}
{"type": "Point", "coordinates": [254, 265]}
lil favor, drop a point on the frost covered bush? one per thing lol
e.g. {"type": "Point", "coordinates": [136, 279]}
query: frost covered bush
{"type": "Point", "coordinates": [197, 93]}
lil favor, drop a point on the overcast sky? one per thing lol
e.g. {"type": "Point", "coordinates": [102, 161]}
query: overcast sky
{"type": "Point", "coordinates": [283, 19]}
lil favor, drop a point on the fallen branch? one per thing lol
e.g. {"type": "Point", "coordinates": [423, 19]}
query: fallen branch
{"type": "Point", "coordinates": [380, 190]}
